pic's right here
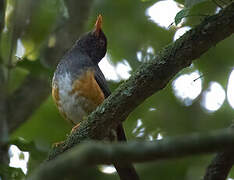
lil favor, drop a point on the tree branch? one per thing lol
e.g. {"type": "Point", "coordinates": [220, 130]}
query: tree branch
{"type": "Point", "coordinates": [93, 153]}
{"type": "Point", "coordinates": [4, 159]}
{"type": "Point", "coordinates": [151, 77]}
{"type": "Point", "coordinates": [3, 103]}
{"type": "Point", "coordinates": [35, 90]}
{"type": "Point", "coordinates": [2, 14]}
{"type": "Point", "coordinates": [221, 164]}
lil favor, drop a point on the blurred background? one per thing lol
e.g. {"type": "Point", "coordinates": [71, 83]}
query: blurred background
{"type": "Point", "coordinates": [36, 34]}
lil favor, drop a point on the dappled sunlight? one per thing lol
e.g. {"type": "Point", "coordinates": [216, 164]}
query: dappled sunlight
{"type": "Point", "coordinates": [107, 169]}
{"type": "Point", "coordinates": [18, 159]}
{"type": "Point", "coordinates": [159, 137]}
{"type": "Point", "coordinates": [230, 89]}
{"type": "Point", "coordinates": [164, 12]}
{"type": "Point", "coordinates": [139, 124]}
{"type": "Point", "coordinates": [187, 87]}
{"type": "Point", "coordinates": [139, 130]}
{"type": "Point", "coordinates": [20, 50]}
{"type": "Point", "coordinates": [108, 69]}
{"type": "Point", "coordinates": [150, 50]}
{"type": "Point", "coordinates": [123, 69]}
{"type": "Point", "coordinates": [217, 10]}
{"type": "Point", "coordinates": [145, 55]}
{"type": "Point", "coordinates": [180, 32]}
{"type": "Point", "coordinates": [213, 97]}
{"type": "Point", "coordinates": [139, 56]}
{"type": "Point", "coordinates": [150, 137]}
{"type": "Point", "coordinates": [118, 72]}
{"type": "Point", "coordinates": [152, 109]}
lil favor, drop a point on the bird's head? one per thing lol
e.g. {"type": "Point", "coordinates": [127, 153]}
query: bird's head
{"type": "Point", "coordinates": [94, 43]}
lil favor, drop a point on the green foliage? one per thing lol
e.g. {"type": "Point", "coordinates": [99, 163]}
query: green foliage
{"type": "Point", "coordinates": [11, 173]}
{"type": "Point", "coordinates": [129, 31]}
{"type": "Point", "coordinates": [42, 21]}
{"type": "Point", "coordinates": [37, 66]}
{"type": "Point", "coordinates": [195, 9]}
{"type": "Point", "coordinates": [190, 3]}
{"type": "Point", "coordinates": [39, 127]}
{"type": "Point", "coordinates": [180, 15]}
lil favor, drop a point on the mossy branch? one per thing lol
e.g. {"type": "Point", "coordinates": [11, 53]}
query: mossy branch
{"type": "Point", "coordinates": [151, 77]}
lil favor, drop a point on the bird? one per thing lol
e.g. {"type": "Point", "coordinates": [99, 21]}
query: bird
{"type": "Point", "coordinates": [79, 86]}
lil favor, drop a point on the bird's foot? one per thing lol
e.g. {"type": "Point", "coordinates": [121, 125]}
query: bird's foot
{"type": "Point", "coordinates": [57, 144]}
{"type": "Point", "coordinates": [75, 127]}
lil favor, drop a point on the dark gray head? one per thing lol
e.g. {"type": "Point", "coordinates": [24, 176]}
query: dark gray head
{"type": "Point", "coordinates": [94, 43]}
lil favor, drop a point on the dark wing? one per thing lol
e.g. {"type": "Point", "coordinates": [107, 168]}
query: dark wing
{"type": "Point", "coordinates": [102, 82]}
{"type": "Point", "coordinates": [125, 171]}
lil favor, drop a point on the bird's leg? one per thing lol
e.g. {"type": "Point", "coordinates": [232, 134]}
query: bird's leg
{"type": "Point", "coordinates": [75, 127]}
{"type": "Point", "coordinates": [61, 142]}
{"type": "Point", "coordinates": [57, 144]}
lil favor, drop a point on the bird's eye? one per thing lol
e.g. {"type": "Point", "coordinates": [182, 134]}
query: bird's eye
{"type": "Point", "coordinates": [102, 42]}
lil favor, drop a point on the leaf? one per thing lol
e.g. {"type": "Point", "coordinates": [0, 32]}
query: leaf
{"type": "Point", "coordinates": [30, 146]}
{"type": "Point", "coordinates": [23, 144]}
{"type": "Point", "coordinates": [180, 15]}
{"type": "Point", "coordinates": [190, 3]}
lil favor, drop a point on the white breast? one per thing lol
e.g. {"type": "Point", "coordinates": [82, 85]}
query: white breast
{"type": "Point", "coordinates": [70, 104]}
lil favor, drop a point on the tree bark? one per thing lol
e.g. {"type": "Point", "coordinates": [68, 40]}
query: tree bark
{"type": "Point", "coordinates": [151, 77]}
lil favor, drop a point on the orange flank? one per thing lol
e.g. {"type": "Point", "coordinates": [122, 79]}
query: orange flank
{"type": "Point", "coordinates": [88, 87]}
{"type": "Point", "coordinates": [55, 94]}
{"type": "Point", "coordinates": [56, 98]}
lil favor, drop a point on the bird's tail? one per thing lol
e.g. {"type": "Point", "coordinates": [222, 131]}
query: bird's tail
{"type": "Point", "coordinates": [126, 171]}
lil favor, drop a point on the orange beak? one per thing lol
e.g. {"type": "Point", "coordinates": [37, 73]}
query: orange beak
{"type": "Point", "coordinates": [98, 25]}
